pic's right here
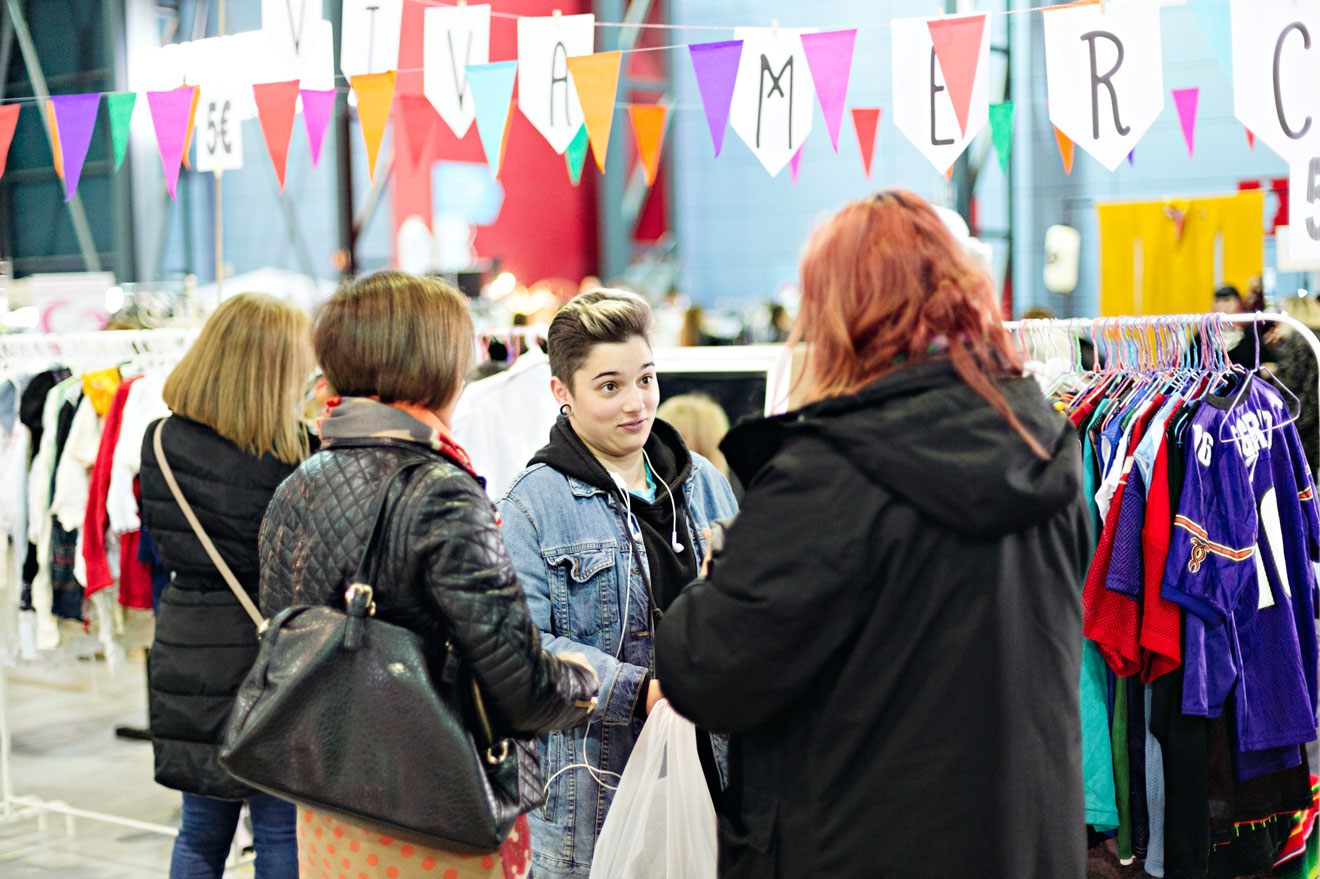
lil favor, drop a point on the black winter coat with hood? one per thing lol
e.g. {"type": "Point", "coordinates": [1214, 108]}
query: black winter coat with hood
{"type": "Point", "coordinates": [892, 635]}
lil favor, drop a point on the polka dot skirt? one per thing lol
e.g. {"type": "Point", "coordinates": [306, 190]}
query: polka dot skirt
{"type": "Point", "coordinates": [328, 849]}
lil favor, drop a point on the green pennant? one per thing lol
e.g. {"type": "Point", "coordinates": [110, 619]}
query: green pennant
{"type": "Point", "coordinates": [121, 111]}
{"type": "Point", "coordinates": [576, 155]}
{"type": "Point", "coordinates": [1001, 132]}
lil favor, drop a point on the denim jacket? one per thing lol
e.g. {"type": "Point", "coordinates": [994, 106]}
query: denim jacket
{"type": "Point", "coordinates": [580, 567]}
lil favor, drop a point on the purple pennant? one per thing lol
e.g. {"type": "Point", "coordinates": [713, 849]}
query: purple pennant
{"type": "Point", "coordinates": [716, 66]}
{"type": "Point", "coordinates": [317, 106]}
{"type": "Point", "coordinates": [829, 56]}
{"type": "Point", "coordinates": [75, 115]}
{"type": "Point", "coordinates": [1132, 152]}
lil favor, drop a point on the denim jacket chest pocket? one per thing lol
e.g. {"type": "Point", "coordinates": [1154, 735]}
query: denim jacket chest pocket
{"type": "Point", "coordinates": [583, 584]}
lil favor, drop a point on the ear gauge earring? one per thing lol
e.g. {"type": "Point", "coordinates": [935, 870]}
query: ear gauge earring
{"type": "Point", "coordinates": [565, 410]}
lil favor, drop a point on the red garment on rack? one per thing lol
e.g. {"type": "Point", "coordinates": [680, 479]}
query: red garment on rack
{"type": "Point", "coordinates": [97, 520]}
{"type": "Point", "coordinates": [135, 589]}
{"type": "Point", "coordinates": [1161, 619]}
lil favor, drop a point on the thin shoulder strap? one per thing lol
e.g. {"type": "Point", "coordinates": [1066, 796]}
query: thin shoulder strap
{"type": "Point", "coordinates": [239, 592]}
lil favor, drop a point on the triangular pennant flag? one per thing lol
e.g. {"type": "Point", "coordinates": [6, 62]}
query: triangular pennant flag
{"type": "Point", "coordinates": [948, 174]}
{"type": "Point", "coordinates": [1001, 132]}
{"type": "Point", "coordinates": [596, 78]}
{"type": "Point", "coordinates": [120, 108]}
{"type": "Point", "coordinates": [492, 93]}
{"type": "Point", "coordinates": [1132, 153]}
{"type": "Point", "coordinates": [192, 118]}
{"type": "Point", "coordinates": [958, 47]}
{"type": "Point", "coordinates": [57, 154]}
{"type": "Point", "coordinates": [866, 121]}
{"type": "Point", "coordinates": [1185, 100]}
{"type": "Point", "coordinates": [8, 121]}
{"type": "Point", "coordinates": [716, 66]}
{"type": "Point", "coordinates": [829, 57]}
{"type": "Point", "coordinates": [375, 93]}
{"type": "Point", "coordinates": [1213, 16]}
{"type": "Point", "coordinates": [1066, 150]}
{"type": "Point", "coordinates": [277, 104]}
{"type": "Point", "coordinates": [795, 163]}
{"type": "Point", "coordinates": [575, 156]}
{"type": "Point", "coordinates": [1251, 140]}
{"type": "Point", "coordinates": [648, 125]}
{"type": "Point", "coordinates": [419, 118]}
{"type": "Point", "coordinates": [171, 114]}
{"type": "Point", "coordinates": [75, 116]}
{"type": "Point", "coordinates": [317, 106]}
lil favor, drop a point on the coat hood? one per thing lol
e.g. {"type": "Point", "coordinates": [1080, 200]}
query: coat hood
{"type": "Point", "coordinates": [566, 453]}
{"type": "Point", "coordinates": [922, 433]}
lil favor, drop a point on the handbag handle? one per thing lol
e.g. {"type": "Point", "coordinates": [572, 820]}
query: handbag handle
{"type": "Point", "coordinates": [239, 592]}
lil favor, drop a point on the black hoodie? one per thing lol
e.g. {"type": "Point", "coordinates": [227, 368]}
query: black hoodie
{"type": "Point", "coordinates": [668, 571]}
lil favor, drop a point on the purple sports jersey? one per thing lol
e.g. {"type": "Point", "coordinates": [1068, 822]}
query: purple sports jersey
{"type": "Point", "coordinates": [1240, 563]}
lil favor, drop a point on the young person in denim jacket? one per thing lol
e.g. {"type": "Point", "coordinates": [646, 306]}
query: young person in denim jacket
{"type": "Point", "coordinates": [605, 528]}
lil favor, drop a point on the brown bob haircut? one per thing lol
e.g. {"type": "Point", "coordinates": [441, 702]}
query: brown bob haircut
{"type": "Point", "coordinates": [245, 376]}
{"type": "Point", "coordinates": [600, 317]}
{"type": "Point", "coordinates": [396, 337]}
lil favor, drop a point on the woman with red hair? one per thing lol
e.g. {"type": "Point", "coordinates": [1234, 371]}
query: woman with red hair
{"type": "Point", "coordinates": [891, 634]}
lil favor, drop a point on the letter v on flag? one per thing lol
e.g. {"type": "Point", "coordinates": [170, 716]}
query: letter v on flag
{"type": "Point", "coordinates": [957, 44]}
{"type": "Point", "coordinates": [596, 78]}
{"type": "Point", "coordinates": [277, 103]}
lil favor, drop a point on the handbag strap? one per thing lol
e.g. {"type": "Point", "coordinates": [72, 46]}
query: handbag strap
{"type": "Point", "coordinates": [368, 567]}
{"type": "Point", "coordinates": [239, 592]}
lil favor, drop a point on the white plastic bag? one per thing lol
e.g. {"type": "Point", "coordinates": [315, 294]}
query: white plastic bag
{"type": "Point", "coordinates": [661, 824]}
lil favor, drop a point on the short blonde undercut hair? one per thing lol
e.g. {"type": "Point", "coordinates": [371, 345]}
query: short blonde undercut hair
{"type": "Point", "coordinates": [600, 317]}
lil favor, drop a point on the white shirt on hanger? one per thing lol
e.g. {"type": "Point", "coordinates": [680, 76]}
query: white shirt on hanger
{"type": "Point", "coordinates": [143, 406]}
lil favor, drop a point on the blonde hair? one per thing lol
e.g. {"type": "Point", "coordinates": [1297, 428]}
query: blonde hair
{"type": "Point", "coordinates": [596, 318]}
{"type": "Point", "coordinates": [397, 337]}
{"type": "Point", "coordinates": [245, 376]}
{"type": "Point", "coordinates": [702, 424]}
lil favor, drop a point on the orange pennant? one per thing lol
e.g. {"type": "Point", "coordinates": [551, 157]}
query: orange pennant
{"type": "Point", "coordinates": [597, 80]}
{"type": "Point", "coordinates": [55, 149]}
{"type": "Point", "coordinates": [375, 93]}
{"type": "Point", "coordinates": [192, 116]}
{"type": "Point", "coordinates": [1066, 149]}
{"type": "Point", "coordinates": [648, 125]}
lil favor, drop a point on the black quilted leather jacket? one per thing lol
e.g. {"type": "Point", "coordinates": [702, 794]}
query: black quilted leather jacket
{"type": "Point", "coordinates": [443, 571]}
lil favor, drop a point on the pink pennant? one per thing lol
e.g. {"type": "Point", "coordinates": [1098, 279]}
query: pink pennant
{"type": "Point", "coordinates": [170, 114]}
{"type": "Point", "coordinates": [1251, 139]}
{"type": "Point", "coordinates": [1186, 100]}
{"type": "Point", "coordinates": [958, 48]}
{"type": "Point", "coordinates": [795, 163]}
{"type": "Point", "coordinates": [317, 107]}
{"type": "Point", "coordinates": [829, 56]}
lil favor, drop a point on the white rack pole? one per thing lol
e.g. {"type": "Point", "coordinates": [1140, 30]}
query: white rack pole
{"type": "Point", "coordinates": [1188, 320]}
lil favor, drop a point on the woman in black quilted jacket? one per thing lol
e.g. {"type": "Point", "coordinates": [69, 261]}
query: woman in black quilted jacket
{"type": "Point", "coordinates": [395, 348]}
{"type": "Point", "coordinates": [234, 436]}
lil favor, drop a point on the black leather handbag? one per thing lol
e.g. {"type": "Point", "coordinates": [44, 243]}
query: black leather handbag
{"type": "Point", "coordinates": [342, 712]}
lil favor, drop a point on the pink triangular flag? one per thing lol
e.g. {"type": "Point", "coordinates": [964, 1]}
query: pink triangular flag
{"type": "Point", "coordinates": [419, 118]}
{"type": "Point", "coordinates": [317, 107]}
{"type": "Point", "coordinates": [958, 48]}
{"type": "Point", "coordinates": [170, 113]}
{"type": "Point", "coordinates": [866, 120]}
{"type": "Point", "coordinates": [1251, 139]}
{"type": "Point", "coordinates": [276, 103]}
{"type": "Point", "coordinates": [829, 56]}
{"type": "Point", "coordinates": [795, 163]}
{"type": "Point", "coordinates": [1185, 100]}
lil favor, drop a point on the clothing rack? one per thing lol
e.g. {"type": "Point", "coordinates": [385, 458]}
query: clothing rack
{"type": "Point", "coordinates": [80, 352]}
{"type": "Point", "coordinates": [1173, 321]}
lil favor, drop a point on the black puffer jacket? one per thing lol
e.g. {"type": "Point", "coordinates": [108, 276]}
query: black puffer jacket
{"type": "Point", "coordinates": [205, 643]}
{"type": "Point", "coordinates": [443, 570]}
{"type": "Point", "coordinates": [893, 636]}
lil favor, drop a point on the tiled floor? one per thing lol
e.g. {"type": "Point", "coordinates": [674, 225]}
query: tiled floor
{"type": "Point", "coordinates": [65, 749]}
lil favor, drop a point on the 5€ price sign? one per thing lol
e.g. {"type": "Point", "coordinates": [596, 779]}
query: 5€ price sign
{"type": "Point", "coordinates": [218, 133]}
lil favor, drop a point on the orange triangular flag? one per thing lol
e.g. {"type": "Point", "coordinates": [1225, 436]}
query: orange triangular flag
{"type": "Point", "coordinates": [55, 149]}
{"type": "Point", "coordinates": [375, 93]}
{"type": "Point", "coordinates": [648, 125]}
{"type": "Point", "coordinates": [1065, 149]}
{"type": "Point", "coordinates": [192, 117]}
{"type": "Point", "coordinates": [597, 80]}
{"type": "Point", "coordinates": [277, 103]}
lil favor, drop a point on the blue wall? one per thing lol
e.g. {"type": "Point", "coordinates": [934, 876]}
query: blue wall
{"type": "Point", "coordinates": [740, 232]}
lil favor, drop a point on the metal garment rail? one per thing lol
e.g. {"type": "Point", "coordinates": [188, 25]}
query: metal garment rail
{"type": "Point", "coordinates": [1176, 320]}
{"type": "Point", "coordinates": [80, 352]}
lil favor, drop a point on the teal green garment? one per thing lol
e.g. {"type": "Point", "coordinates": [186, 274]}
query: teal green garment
{"type": "Point", "coordinates": [1097, 750]}
{"type": "Point", "coordinates": [647, 494]}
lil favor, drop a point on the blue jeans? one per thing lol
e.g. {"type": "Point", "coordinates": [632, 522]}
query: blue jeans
{"type": "Point", "coordinates": [208, 832]}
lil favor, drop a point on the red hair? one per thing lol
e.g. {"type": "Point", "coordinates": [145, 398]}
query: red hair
{"type": "Point", "coordinates": [883, 283]}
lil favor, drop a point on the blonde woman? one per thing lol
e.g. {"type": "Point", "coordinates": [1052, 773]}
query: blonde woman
{"type": "Point", "coordinates": [234, 436]}
{"type": "Point", "coordinates": [702, 424]}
